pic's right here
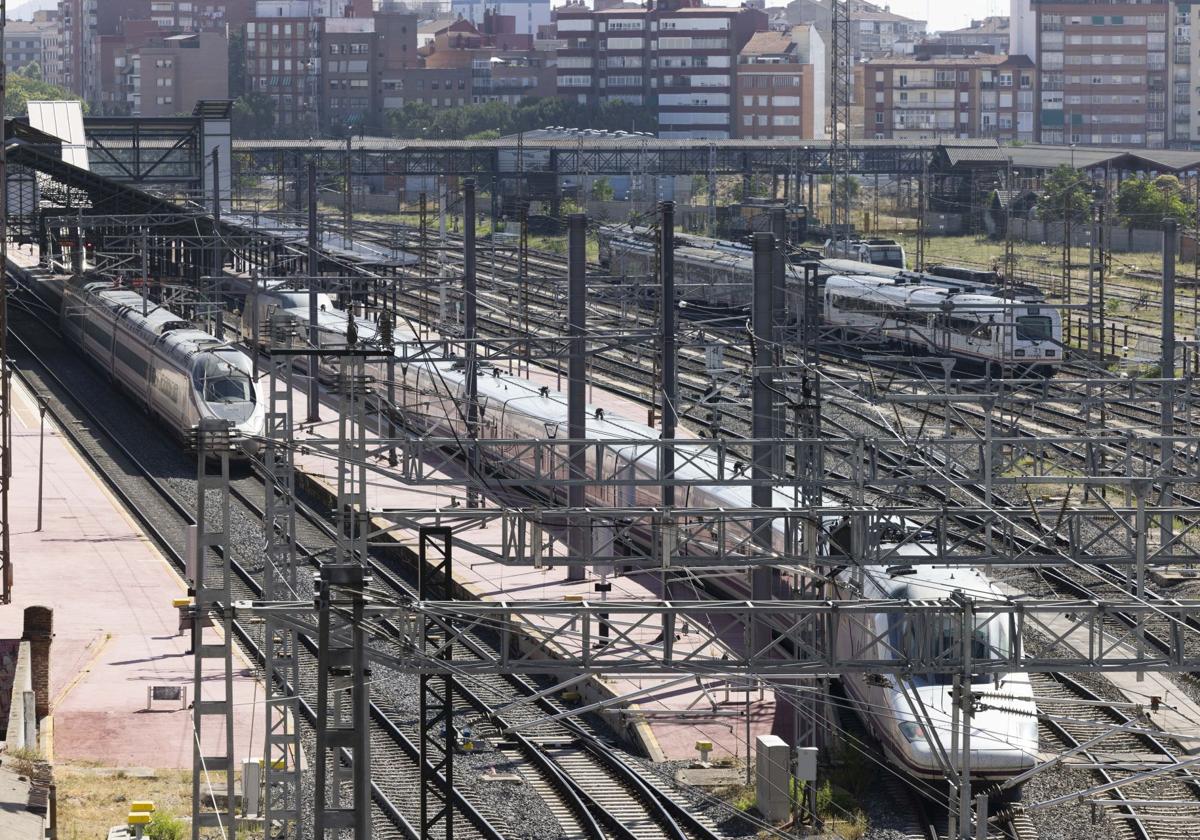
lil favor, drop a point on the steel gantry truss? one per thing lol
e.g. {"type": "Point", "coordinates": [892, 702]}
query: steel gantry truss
{"type": "Point", "coordinates": [965, 499]}
{"type": "Point", "coordinates": [212, 636]}
{"type": "Point", "coordinates": [283, 765]}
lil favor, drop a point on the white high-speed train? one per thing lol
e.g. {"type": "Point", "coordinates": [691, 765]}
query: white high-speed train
{"type": "Point", "coordinates": [913, 720]}
{"type": "Point", "coordinates": [514, 408]}
{"type": "Point", "coordinates": [986, 331]}
{"type": "Point", "coordinates": [179, 373]}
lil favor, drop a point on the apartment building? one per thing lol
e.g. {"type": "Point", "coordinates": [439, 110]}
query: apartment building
{"type": "Point", "coordinates": [992, 34]}
{"type": "Point", "coordinates": [283, 61]}
{"type": "Point", "coordinates": [527, 15]}
{"type": "Point", "coordinates": [780, 85]}
{"type": "Point", "coordinates": [335, 68]}
{"type": "Point", "coordinates": [170, 75]}
{"type": "Point", "coordinates": [1185, 79]}
{"type": "Point", "coordinates": [1103, 70]}
{"type": "Point", "coordinates": [876, 31]}
{"type": "Point", "coordinates": [26, 42]}
{"type": "Point", "coordinates": [677, 53]}
{"type": "Point", "coordinates": [94, 34]}
{"type": "Point", "coordinates": [975, 96]}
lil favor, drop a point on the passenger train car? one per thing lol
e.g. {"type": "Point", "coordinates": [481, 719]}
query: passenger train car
{"type": "Point", "coordinates": [984, 331]}
{"type": "Point", "coordinates": [887, 252]}
{"type": "Point", "coordinates": [983, 323]}
{"type": "Point", "coordinates": [430, 396]}
{"type": "Point", "coordinates": [180, 374]}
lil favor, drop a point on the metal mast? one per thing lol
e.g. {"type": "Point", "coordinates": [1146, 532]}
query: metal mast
{"type": "Point", "coordinates": [841, 64]}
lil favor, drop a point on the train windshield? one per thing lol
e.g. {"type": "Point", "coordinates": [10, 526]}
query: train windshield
{"type": "Point", "coordinates": [228, 389]}
{"type": "Point", "coordinates": [1034, 328]}
{"type": "Point", "coordinates": [299, 300]}
{"type": "Point", "coordinates": [887, 256]}
{"type": "Point", "coordinates": [990, 641]}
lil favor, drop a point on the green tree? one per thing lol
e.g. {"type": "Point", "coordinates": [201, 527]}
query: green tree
{"type": "Point", "coordinates": [1066, 193]}
{"type": "Point", "coordinates": [32, 70]}
{"type": "Point", "coordinates": [602, 190]}
{"type": "Point", "coordinates": [1145, 203]}
{"type": "Point", "coordinates": [254, 115]}
{"type": "Point", "coordinates": [22, 90]}
{"type": "Point", "coordinates": [237, 64]}
{"type": "Point", "coordinates": [846, 190]}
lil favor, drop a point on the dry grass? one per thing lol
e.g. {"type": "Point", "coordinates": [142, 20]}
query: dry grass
{"type": "Point", "coordinates": [92, 799]}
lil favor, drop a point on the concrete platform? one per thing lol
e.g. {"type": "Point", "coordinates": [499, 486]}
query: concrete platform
{"type": "Point", "coordinates": [115, 627]}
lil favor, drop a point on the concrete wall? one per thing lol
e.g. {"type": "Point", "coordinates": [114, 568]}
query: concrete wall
{"type": "Point", "coordinates": [1117, 238]}
{"type": "Point", "coordinates": [20, 727]}
{"type": "Point", "coordinates": [9, 649]}
{"type": "Point", "coordinates": [39, 632]}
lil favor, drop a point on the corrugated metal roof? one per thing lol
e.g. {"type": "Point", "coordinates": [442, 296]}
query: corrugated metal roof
{"type": "Point", "coordinates": [63, 119]}
{"type": "Point", "coordinates": [976, 154]}
{"type": "Point", "coordinates": [1081, 157]}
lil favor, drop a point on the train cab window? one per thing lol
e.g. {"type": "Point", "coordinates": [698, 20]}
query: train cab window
{"type": "Point", "coordinates": [227, 389]}
{"type": "Point", "coordinates": [989, 641]}
{"type": "Point", "coordinates": [1034, 328]}
{"type": "Point", "coordinates": [893, 257]}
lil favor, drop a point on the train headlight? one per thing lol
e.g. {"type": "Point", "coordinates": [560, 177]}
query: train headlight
{"type": "Point", "coordinates": [912, 731]}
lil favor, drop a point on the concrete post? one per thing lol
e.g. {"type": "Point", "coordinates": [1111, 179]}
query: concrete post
{"type": "Point", "coordinates": [577, 380]}
{"type": "Point", "coordinates": [470, 334]}
{"type": "Point", "coordinates": [1170, 249]}
{"type": "Point", "coordinates": [670, 396]}
{"type": "Point", "coordinates": [314, 264]}
{"type": "Point", "coordinates": [762, 409]}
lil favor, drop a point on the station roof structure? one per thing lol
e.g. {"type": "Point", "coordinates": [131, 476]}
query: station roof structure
{"type": "Point", "coordinates": [1090, 157]}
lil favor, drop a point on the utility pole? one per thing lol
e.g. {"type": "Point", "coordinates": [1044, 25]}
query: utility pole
{"type": "Point", "coordinates": [577, 386]}
{"type": "Point", "coordinates": [1170, 249]}
{"type": "Point", "coordinates": [670, 384]}
{"type": "Point", "coordinates": [763, 423]}
{"type": "Point", "coordinates": [470, 335]}
{"type": "Point", "coordinates": [347, 201]}
{"type": "Point", "coordinates": [218, 253]}
{"type": "Point", "coordinates": [314, 287]}
{"type": "Point", "coordinates": [146, 272]}
{"type": "Point", "coordinates": [842, 63]}
{"type": "Point", "coordinates": [424, 240]}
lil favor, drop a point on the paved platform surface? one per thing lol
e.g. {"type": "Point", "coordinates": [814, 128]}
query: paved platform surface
{"type": "Point", "coordinates": [115, 627]}
{"type": "Point", "coordinates": [669, 717]}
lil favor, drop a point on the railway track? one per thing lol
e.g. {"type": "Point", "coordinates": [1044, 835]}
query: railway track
{"type": "Point", "coordinates": [658, 812]}
{"type": "Point", "coordinates": [1163, 807]}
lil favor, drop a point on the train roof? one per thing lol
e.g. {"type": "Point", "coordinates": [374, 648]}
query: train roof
{"type": "Point", "coordinates": [927, 582]}
{"type": "Point", "coordinates": [176, 336]}
{"type": "Point", "coordinates": [913, 293]}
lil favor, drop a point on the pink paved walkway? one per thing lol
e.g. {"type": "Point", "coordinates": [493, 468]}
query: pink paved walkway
{"type": "Point", "coordinates": [114, 624]}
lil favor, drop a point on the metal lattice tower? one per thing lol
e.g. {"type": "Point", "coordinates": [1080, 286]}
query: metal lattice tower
{"type": "Point", "coordinates": [342, 806]}
{"type": "Point", "coordinates": [352, 523]}
{"type": "Point", "coordinates": [212, 633]}
{"type": "Point", "coordinates": [282, 770]}
{"type": "Point", "coordinates": [437, 691]}
{"type": "Point", "coordinates": [343, 765]}
{"type": "Point", "coordinates": [841, 64]}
